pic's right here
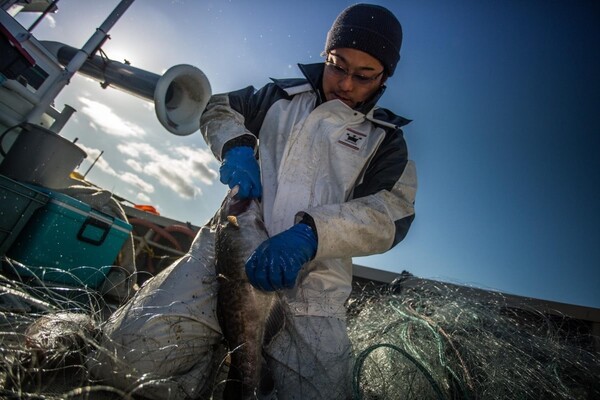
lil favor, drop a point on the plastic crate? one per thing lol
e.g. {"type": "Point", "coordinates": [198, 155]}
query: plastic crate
{"type": "Point", "coordinates": [18, 202]}
{"type": "Point", "coordinates": [69, 242]}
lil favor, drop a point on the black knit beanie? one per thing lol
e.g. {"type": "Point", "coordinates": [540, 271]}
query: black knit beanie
{"type": "Point", "coordinates": [369, 28]}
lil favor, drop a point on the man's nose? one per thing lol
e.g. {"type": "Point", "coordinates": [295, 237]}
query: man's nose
{"type": "Point", "coordinates": [346, 83]}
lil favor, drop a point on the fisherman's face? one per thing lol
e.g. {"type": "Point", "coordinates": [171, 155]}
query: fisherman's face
{"type": "Point", "coordinates": [351, 76]}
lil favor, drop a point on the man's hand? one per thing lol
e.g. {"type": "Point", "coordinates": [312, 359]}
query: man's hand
{"type": "Point", "coordinates": [276, 262]}
{"type": "Point", "coordinates": [240, 168]}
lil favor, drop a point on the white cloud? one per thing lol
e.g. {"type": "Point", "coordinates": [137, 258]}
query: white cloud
{"type": "Point", "coordinates": [138, 182]}
{"type": "Point", "coordinates": [127, 177]}
{"type": "Point", "coordinates": [197, 163]}
{"type": "Point", "coordinates": [101, 163]}
{"type": "Point", "coordinates": [179, 169]}
{"type": "Point", "coordinates": [103, 118]}
{"type": "Point", "coordinates": [135, 165]}
{"type": "Point", "coordinates": [50, 20]}
{"type": "Point", "coordinates": [137, 150]}
{"type": "Point", "coordinates": [90, 151]}
{"type": "Point", "coordinates": [172, 179]}
{"type": "Point", "coordinates": [143, 198]}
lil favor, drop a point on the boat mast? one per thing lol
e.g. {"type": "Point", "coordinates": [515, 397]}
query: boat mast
{"type": "Point", "coordinates": [88, 49]}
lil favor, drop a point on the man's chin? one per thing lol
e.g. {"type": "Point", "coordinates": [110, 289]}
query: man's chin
{"type": "Point", "coordinates": [346, 101]}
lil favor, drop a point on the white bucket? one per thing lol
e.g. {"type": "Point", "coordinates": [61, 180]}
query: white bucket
{"type": "Point", "coordinates": [40, 156]}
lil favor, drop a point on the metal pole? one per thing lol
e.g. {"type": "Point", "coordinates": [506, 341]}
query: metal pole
{"type": "Point", "coordinates": [88, 49]}
{"type": "Point", "coordinates": [94, 163]}
{"type": "Point", "coordinates": [41, 17]}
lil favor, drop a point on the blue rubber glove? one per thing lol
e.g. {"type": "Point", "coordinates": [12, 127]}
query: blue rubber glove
{"type": "Point", "coordinates": [240, 168]}
{"type": "Point", "coordinates": [276, 262]}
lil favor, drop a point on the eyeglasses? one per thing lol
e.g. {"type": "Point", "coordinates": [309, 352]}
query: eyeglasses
{"type": "Point", "coordinates": [342, 72]}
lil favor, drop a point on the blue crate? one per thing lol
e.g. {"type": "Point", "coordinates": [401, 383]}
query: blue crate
{"type": "Point", "coordinates": [68, 242]}
{"type": "Point", "coordinates": [17, 204]}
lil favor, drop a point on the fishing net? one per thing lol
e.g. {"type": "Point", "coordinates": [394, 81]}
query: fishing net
{"type": "Point", "coordinates": [421, 340]}
{"type": "Point", "coordinates": [51, 365]}
{"type": "Point", "coordinates": [413, 339]}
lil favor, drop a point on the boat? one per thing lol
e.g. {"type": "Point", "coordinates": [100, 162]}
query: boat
{"type": "Point", "coordinates": [36, 161]}
{"type": "Point", "coordinates": [114, 245]}
{"type": "Point", "coordinates": [68, 245]}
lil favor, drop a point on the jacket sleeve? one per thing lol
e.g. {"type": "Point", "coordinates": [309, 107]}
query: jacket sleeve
{"type": "Point", "coordinates": [234, 118]}
{"type": "Point", "coordinates": [381, 209]}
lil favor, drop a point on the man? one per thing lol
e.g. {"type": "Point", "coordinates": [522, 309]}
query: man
{"type": "Point", "coordinates": [333, 175]}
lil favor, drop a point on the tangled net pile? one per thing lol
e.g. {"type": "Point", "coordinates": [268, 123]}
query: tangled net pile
{"type": "Point", "coordinates": [52, 366]}
{"type": "Point", "coordinates": [439, 341]}
{"type": "Point", "coordinates": [412, 341]}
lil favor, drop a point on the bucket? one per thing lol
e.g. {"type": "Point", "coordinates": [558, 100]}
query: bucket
{"type": "Point", "coordinates": [40, 156]}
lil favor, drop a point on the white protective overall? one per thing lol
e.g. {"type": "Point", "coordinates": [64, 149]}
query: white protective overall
{"type": "Point", "coordinates": [309, 165]}
{"type": "Point", "coordinates": [165, 337]}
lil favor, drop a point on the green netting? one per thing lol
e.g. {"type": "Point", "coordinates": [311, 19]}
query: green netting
{"type": "Point", "coordinates": [441, 342]}
{"type": "Point", "coordinates": [412, 340]}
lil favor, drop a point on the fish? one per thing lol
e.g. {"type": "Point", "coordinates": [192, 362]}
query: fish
{"type": "Point", "coordinates": [243, 311]}
{"type": "Point", "coordinates": [61, 332]}
{"type": "Point", "coordinates": [61, 335]}
{"type": "Point", "coordinates": [53, 351]}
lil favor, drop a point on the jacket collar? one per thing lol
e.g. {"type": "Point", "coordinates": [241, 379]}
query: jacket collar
{"type": "Point", "coordinates": [314, 75]}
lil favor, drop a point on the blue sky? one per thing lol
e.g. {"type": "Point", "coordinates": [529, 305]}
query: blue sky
{"type": "Point", "coordinates": [504, 98]}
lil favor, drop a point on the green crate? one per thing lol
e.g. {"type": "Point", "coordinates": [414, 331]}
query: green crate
{"type": "Point", "coordinates": [17, 204]}
{"type": "Point", "coordinates": [69, 242]}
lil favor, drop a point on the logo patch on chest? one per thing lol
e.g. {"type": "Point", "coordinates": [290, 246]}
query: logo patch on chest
{"type": "Point", "coordinates": [353, 139]}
